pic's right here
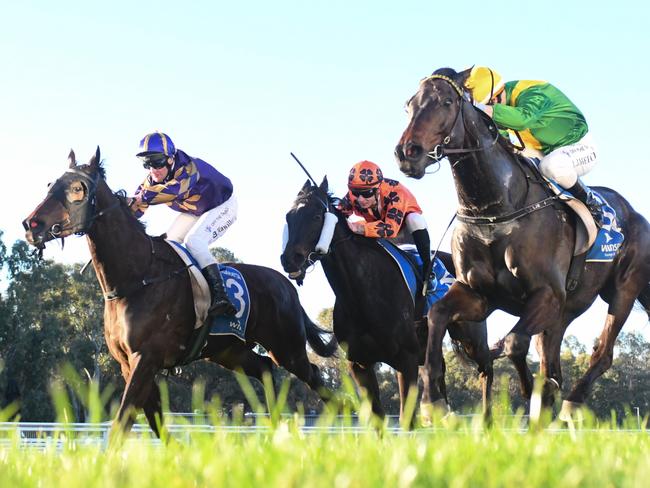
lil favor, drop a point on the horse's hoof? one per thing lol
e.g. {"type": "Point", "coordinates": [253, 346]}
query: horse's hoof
{"type": "Point", "coordinates": [430, 411]}
{"type": "Point", "coordinates": [571, 412]}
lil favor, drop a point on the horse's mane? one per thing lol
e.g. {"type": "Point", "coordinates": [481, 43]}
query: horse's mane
{"type": "Point", "coordinates": [122, 198]}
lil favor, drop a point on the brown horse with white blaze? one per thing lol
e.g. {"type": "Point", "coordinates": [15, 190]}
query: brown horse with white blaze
{"type": "Point", "coordinates": [513, 245]}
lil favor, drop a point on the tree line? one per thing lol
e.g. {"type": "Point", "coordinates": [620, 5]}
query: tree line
{"type": "Point", "coordinates": [51, 315]}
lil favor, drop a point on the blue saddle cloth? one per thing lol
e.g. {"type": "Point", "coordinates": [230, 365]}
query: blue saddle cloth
{"type": "Point", "coordinates": [238, 293]}
{"type": "Point", "coordinates": [609, 238]}
{"type": "Point", "coordinates": [237, 290]}
{"type": "Point", "coordinates": [440, 280]}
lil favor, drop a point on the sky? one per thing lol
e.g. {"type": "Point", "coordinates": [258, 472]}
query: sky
{"type": "Point", "coordinates": [242, 84]}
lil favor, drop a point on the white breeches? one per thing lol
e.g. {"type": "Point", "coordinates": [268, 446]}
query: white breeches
{"type": "Point", "coordinates": [198, 232]}
{"type": "Point", "coordinates": [415, 221]}
{"type": "Point", "coordinates": [566, 164]}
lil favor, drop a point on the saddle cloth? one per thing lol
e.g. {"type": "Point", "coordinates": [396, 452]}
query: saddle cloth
{"type": "Point", "coordinates": [440, 280]}
{"type": "Point", "coordinates": [236, 288]}
{"type": "Point", "coordinates": [601, 244]}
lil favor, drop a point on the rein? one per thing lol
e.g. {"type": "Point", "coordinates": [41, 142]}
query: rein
{"type": "Point", "coordinates": [440, 151]}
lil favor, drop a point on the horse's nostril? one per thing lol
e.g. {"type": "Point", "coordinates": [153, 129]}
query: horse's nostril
{"type": "Point", "coordinates": [413, 151]}
{"type": "Point", "coordinates": [31, 224]}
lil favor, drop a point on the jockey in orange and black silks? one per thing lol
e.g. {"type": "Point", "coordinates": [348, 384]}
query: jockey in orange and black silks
{"type": "Point", "coordinates": [203, 196]}
{"type": "Point", "coordinates": [386, 206]}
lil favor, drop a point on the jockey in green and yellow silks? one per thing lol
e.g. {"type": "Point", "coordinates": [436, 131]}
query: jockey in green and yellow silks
{"type": "Point", "coordinates": [548, 123]}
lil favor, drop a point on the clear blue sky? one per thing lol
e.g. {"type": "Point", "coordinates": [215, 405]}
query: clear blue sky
{"type": "Point", "coordinates": [241, 84]}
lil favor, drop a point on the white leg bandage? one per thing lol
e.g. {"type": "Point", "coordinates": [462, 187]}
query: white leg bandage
{"type": "Point", "coordinates": [326, 234]}
{"type": "Point", "coordinates": [566, 164]}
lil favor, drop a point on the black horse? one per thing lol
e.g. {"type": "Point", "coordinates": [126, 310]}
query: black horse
{"type": "Point", "coordinates": [149, 327]}
{"type": "Point", "coordinates": [374, 314]}
{"type": "Point", "coordinates": [514, 243]}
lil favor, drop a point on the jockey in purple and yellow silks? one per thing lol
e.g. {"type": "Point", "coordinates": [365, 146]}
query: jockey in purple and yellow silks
{"type": "Point", "coordinates": [203, 196]}
{"type": "Point", "coordinates": [550, 126]}
{"type": "Point", "coordinates": [386, 205]}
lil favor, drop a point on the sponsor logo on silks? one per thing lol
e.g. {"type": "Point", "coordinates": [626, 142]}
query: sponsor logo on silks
{"type": "Point", "coordinates": [240, 298]}
{"type": "Point", "coordinates": [609, 238]}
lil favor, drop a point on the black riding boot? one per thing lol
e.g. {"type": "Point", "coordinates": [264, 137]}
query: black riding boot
{"type": "Point", "coordinates": [220, 304]}
{"type": "Point", "coordinates": [422, 244]}
{"type": "Point", "coordinates": [585, 195]}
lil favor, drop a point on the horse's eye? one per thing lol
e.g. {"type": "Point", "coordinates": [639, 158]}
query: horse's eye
{"type": "Point", "coordinates": [448, 102]}
{"type": "Point", "coordinates": [318, 217]}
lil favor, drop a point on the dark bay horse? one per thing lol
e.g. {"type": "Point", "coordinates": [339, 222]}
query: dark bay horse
{"type": "Point", "coordinates": [148, 328]}
{"type": "Point", "coordinates": [509, 254]}
{"type": "Point", "coordinates": [374, 314]}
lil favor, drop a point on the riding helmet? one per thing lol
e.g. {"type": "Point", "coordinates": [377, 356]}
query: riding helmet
{"type": "Point", "coordinates": [156, 142]}
{"type": "Point", "coordinates": [365, 174]}
{"type": "Point", "coordinates": [484, 83]}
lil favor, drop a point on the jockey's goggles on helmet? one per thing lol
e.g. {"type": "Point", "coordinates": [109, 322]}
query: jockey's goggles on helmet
{"type": "Point", "coordinates": [155, 161]}
{"type": "Point", "coordinates": [365, 192]}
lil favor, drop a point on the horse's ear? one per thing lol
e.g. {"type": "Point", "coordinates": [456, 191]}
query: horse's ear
{"type": "Point", "coordinates": [72, 159]}
{"type": "Point", "coordinates": [463, 75]}
{"type": "Point", "coordinates": [305, 188]}
{"type": "Point", "coordinates": [94, 161]}
{"type": "Point", "coordinates": [324, 185]}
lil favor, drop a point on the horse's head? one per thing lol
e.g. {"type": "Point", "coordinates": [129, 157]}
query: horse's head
{"type": "Point", "coordinates": [305, 222]}
{"type": "Point", "coordinates": [69, 205]}
{"type": "Point", "coordinates": [433, 113]}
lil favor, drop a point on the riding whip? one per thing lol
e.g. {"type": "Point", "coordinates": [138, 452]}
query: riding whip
{"type": "Point", "coordinates": [304, 169]}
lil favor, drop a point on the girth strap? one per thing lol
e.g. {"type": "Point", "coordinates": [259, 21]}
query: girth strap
{"type": "Point", "coordinates": [517, 214]}
{"type": "Point", "coordinates": [128, 290]}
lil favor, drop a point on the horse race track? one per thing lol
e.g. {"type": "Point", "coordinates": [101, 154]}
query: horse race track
{"type": "Point", "coordinates": [457, 452]}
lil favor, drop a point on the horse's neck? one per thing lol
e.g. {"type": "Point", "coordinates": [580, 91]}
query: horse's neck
{"type": "Point", "coordinates": [339, 264]}
{"type": "Point", "coordinates": [117, 245]}
{"type": "Point", "coordinates": [488, 182]}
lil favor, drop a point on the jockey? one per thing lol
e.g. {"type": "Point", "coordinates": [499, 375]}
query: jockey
{"type": "Point", "coordinates": [203, 196]}
{"type": "Point", "coordinates": [385, 205]}
{"type": "Point", "coordinates": [546, 122]}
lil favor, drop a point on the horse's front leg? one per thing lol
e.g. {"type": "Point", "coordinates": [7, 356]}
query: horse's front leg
{"type": "Point", "coordinates": [460, 303]}
{"type": "Point", "coordinates": [364, 375]}
{"type": "Point", "coordinates": [541, 312]}
{"type": "Point", "coordinates": [139, 384]}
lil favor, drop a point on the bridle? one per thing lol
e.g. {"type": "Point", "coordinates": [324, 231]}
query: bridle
{"type": "Point", "coordinates": [440, 151]}
{"type": "Point", "coordinates": [81, 215]}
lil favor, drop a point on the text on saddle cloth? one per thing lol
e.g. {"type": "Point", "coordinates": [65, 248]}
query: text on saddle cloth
{"type": "Point", "coordinates": [608, 238]}
{"type": "Point", "coordinates": [235, 286]}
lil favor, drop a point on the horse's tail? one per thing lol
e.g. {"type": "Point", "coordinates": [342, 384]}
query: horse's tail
{"type": "Point", "coordinates": [644, 299]}
{"type": "Point", "coordinates": [320, 347]}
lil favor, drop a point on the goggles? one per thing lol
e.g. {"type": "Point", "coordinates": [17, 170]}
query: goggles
{"type": "Point", "coordinates": [155, 161]}
{"type": "Point", "coordinates": [365, 193]}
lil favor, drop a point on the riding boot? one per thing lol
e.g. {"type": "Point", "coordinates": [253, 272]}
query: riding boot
{"type": "Point", "coordinates": [422, 244]}
{"type": "Point", "coordinates": [220, 303]}
{"type": "Point", "coordinates": [586, 196]}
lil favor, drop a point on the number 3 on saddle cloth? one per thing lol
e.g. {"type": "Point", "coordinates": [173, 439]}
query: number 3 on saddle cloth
{"type": "Point", "coordinates": [235, 287]}
{"type": "Point", "coordinates": [406, 257]}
